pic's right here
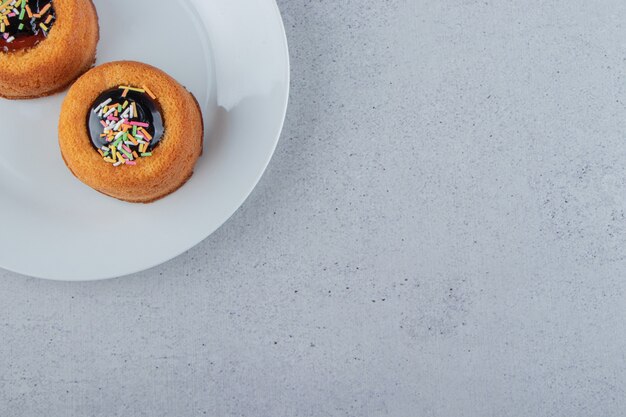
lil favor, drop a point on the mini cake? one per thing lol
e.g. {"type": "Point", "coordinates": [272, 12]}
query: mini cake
{"type": "Point", "coordinates": [45, 45]}
{"type": "Point", "coordinates": [130, 131]}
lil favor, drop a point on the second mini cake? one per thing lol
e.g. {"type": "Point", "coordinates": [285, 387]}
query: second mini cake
{"type": "Point", "coordinates": [45, 45]}
{"type": "Point", "coordinates": [130, 131]}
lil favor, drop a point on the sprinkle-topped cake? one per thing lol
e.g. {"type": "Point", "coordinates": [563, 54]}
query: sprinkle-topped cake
{"type": "Point", "coordinates": [130, 131]}
{"type": "Point", "coordinates": [45, 45]}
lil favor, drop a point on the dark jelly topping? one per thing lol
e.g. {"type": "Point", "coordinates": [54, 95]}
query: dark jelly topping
{"type": "Point", "coordinates": [125, 124]}
{"type": "Point", "coordinates": [24, 23]}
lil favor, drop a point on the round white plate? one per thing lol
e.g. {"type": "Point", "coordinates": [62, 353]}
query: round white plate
{"type": "Point", "coordinates": [232, 54]}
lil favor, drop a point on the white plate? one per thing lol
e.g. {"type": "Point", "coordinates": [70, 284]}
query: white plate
{"type": "Point", "coordinates": [232, 54]}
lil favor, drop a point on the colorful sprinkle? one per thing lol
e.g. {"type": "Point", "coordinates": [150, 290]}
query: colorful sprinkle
{"type": "Point", "coordinates": [126, 134]}
{"type": "Point", "coordinates": [19, 21]}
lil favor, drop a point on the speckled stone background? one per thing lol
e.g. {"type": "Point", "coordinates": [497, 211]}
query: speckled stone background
{"type": "Point", "coordinates": [442, 232]}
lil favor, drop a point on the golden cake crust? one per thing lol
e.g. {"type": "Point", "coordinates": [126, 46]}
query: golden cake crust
{"type": "Point", "coordinates": [173, 158]}
{"type": "Point", "coordinates": [57, 61]}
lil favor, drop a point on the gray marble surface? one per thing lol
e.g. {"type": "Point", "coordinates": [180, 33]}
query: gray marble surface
{"type": "Point", "coordinates": [442, 232]}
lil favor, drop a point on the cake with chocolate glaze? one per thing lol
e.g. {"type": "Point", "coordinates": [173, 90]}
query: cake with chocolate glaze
{"type": "Point", "coordinates": [45, 45]}
{"type": "Point", "coordinates": [130, 131]}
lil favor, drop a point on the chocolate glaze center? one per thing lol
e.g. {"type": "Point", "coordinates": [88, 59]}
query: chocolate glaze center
{"type": "Point", "coordinates": [148, 111]}
{"type": "Point", "coordinates": [20, 29]}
